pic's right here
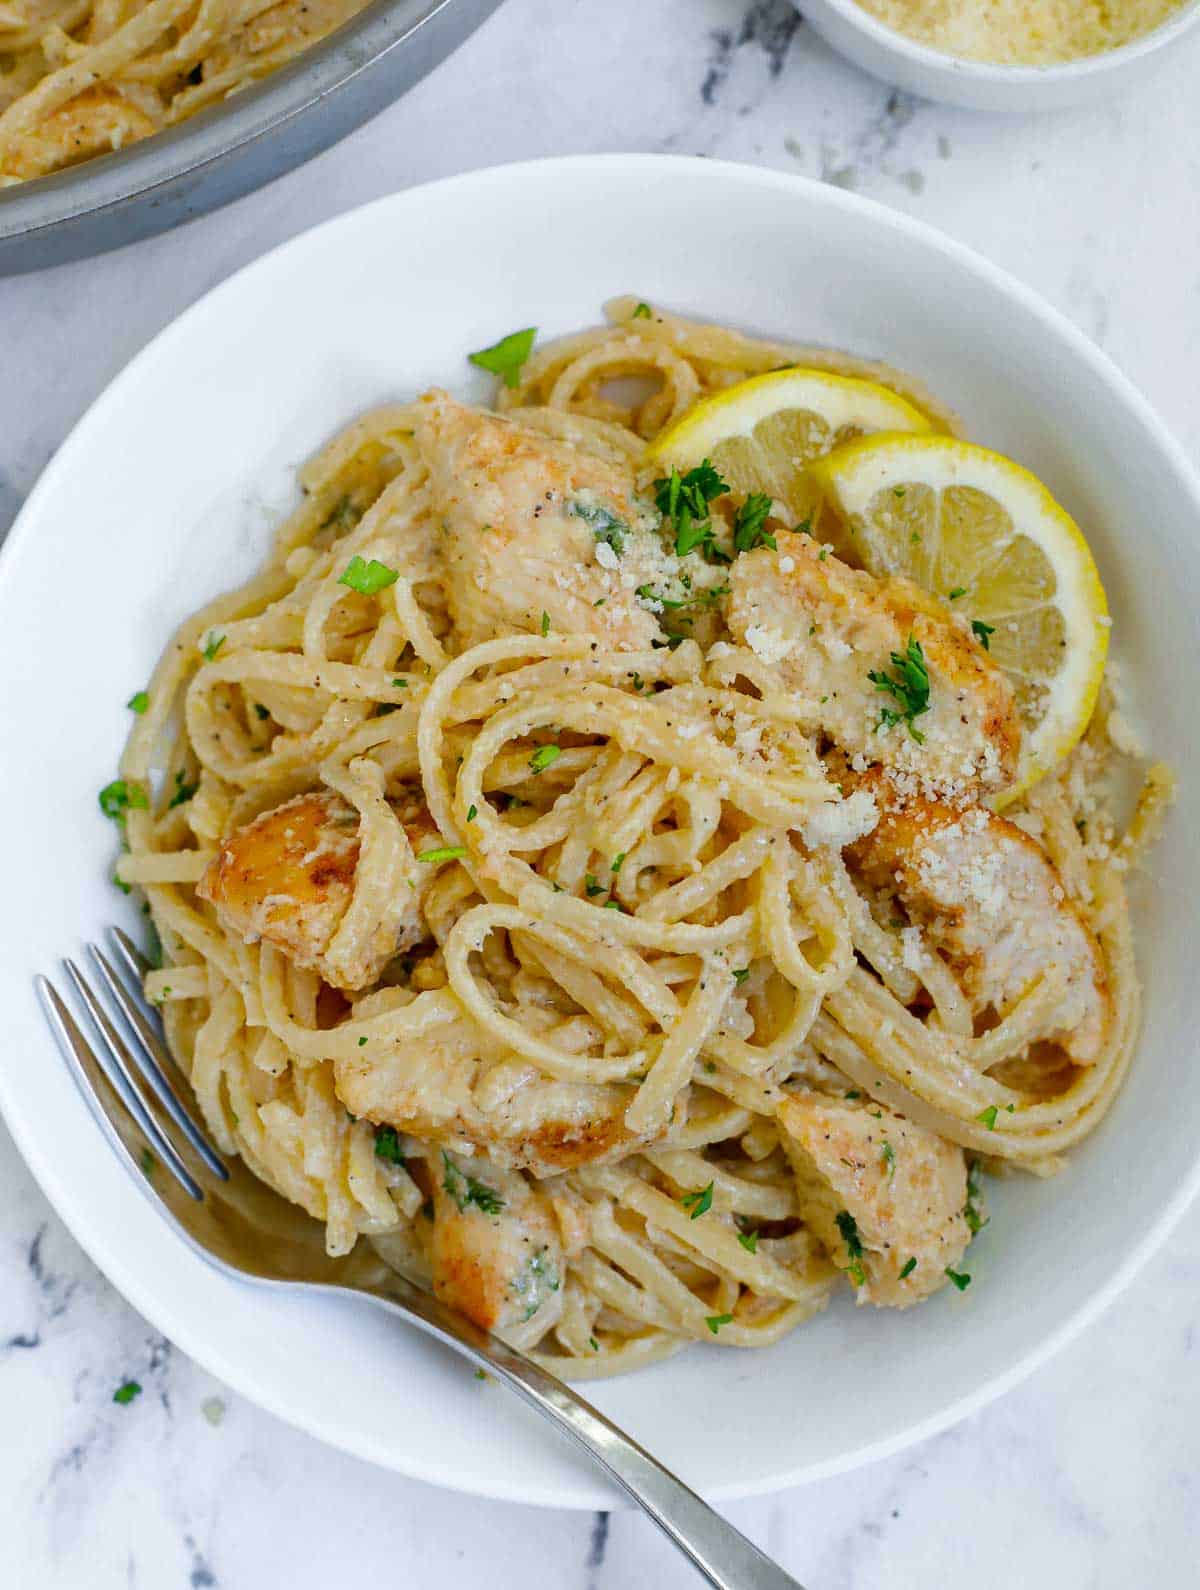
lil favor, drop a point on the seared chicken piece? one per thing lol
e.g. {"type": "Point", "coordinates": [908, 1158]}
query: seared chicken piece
{"type": "Point", "coordinates": [535, 525]}
{"type": "Point", "coordinates": [448, 1091]}
{"type": "Point", "coordinates": [878, 1192]}
{"type": "Point", "coordinates": [496, 1251]}
{"type": "Point", "coordinates": [826, 628]}
{"type": "Point", "coordinates": [986, 896]}
{"type": "Point", "coordinates": [288, 877]}
{"type": "Point", "coordinates": [93, 123]}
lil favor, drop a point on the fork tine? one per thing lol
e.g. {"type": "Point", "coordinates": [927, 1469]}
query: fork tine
{"type": "Point", "coordinates": [130, 1094]}
{"type": "Point", "coordinates": [134, 962]}
{"type": "Point", "coordinates": [153, 1062]}
{"type": "Point", "coordinates": [96, 1083]}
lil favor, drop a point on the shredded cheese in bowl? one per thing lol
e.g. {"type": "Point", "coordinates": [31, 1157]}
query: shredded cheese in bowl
{"type": "Point", "coordinates": [1022, 32]}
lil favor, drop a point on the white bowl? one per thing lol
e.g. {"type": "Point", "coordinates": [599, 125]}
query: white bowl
{"type": "Point", "coordinates": [985, 85]}
{"type": "Point", "coordinates": [163, 496]}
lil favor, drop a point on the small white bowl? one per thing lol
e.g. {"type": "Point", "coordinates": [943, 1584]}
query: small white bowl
{"type": "Point", "coordinates": [987, 85]}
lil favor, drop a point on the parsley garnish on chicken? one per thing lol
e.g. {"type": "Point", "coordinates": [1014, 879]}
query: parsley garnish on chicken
{"type": "Point", "coordinates": [683, 501]}
{"type": "Point", "coordinates": [908, 684]}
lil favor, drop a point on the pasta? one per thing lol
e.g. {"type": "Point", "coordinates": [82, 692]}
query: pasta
{"type": "Point", "coordinates": [564, 957]}
{"type": "Point", "coordinates": [80, 78]}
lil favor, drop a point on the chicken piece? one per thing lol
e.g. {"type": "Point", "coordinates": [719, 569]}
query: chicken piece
{"type": "Point", "coordinates": [495, 1251]}
{"type": "Point", "coordinates": [93, 123]}
{"type": "Point", "coordinates": [454, 1088]}
{"type": "Point", "coordinates": [986, 896]}
{"type": "Point", "coordinates": [826, 628]}
{"type": "Point", "coordinates": [537, 526]}
{"type": "Point", "coordinates": [288, 877]}
{"type": "Point", "coordinates": [878, 1192]}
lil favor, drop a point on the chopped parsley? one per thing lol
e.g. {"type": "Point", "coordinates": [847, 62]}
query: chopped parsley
{"type": "Point", "coordinates": [213, 645]}
{"type": "Point", "coordinates": [988, 1117]}
{"type": "Point", "coordinates": [749, 1240]}
{"type": "Point", "coordinates": [889, 1159]}
{"type": "Point", "coordinates": [642, 312]}
{"type": "Point", "coordinates": [848, 1227]}
{"type": "Point", "coordinates": [545, 623]}
{"type": "Point", "coordinates": [126, 1392]}
{"type": "Point", "coordinates": [908, 685]}
{"type": "Point", "coordinates": [367, 578]}
{"type": "Point", "coordinates": [983, 632]}
{"type": "Point", "coordinates": [604, 524]}
{"type": "Point", "coordinates": [543, 756]}
{"type": "Point", "coordinates": [444, 853]}
{"type": "Point", "coordinates": [119, 796]}
{"type": "Point", "coordinates": [698, 1203]}
{"type": "Point", "coordinates": [532, 1283]}
{"type": "Point", "coordinates": [649, 594]}
{"type": "Point", "coordinates": [182, 792]}
{"type": "Point", "coordinates": [853, 1093]}
{"type": "Point", "coordinates": [972, 1213]}
{"type": "Point", "coordinates": [909, 1267]}
{"type": "Point", "coordinates": [959, 590]}
{"type": "Point", "coordinates": [362, 1042]}
{"type": "Point", "coordinates": [466, 1190]}
{"type": "Point", "coordinates": [960, 1279]}
{"type": "Point", "coordinates": [505, 358]}
{"type": "Point", "coordinates": [472, 813]}
{"type": "Point", "coordinates": [748, 523]}
{"type": "Point", "coordinates": [613, 905]}
{"type": "Point", "coordinates": [593, 1344]}
{"type": "Point", "coordinates": [387, 1142]}
{"type": "Point", "coordinates": [715, 1321]}
{"type": "Point", "coordinates": [343, 515]}
{"type": "Point", "coordinates": [590, 887]}
{"type": "Point", "coordinates": [740, 974]}
{"type": "Point", "coordinates": [615, 864]}
{"type": "Point", "coordinates": [138, 702]}
{"type": "Point", "coordinates": [684, 500]}
{"type": "Point", "coordinates": [262, 714]}
{"type": "Point", "coordinates": [399, 684]}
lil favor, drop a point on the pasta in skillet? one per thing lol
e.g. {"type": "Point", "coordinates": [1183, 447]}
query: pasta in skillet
{"type": "Point", "coordinates": [80, 78]}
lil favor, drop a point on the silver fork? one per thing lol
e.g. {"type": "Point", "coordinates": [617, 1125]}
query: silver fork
{"type": "Point", "coordinates": [143, 1105]}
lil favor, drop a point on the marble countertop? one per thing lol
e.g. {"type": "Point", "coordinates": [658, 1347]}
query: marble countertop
{"type": "Point", "coordinates": [1088, 1474]}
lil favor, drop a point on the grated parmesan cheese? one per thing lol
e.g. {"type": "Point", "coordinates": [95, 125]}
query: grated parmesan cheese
{"type": "Point", "coordinates": [770, 644]}
{"type": "Point", "coordinates": [843, 822]}
{"type": "Point", "coordinates": [1022, 32]}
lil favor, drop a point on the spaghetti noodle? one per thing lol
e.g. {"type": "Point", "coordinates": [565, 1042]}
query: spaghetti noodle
{"type": "Point", "coordinates": [81, 78]}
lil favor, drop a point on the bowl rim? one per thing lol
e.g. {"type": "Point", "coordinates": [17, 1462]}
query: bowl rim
{"type": "Point", "coordinates": [107, 1249]}
{"type": "Point", "coordinates": [963, 68]}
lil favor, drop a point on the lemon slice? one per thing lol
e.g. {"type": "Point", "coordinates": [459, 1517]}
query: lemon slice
{"type": "Point", "coordinates": [985, 535]}
{"type": "Point", "coordinates": [762, 434]}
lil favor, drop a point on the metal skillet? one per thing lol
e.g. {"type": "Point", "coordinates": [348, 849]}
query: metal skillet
{"type": "Point", "coordinates": [229, 149]}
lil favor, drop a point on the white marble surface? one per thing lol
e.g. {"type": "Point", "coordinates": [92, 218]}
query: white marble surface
{"type": "Point", "coordinates": [1088, 1475]}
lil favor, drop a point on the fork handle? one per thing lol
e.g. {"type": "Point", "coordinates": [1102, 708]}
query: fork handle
{"type": "Point", "coordinates": [721, 1553]}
